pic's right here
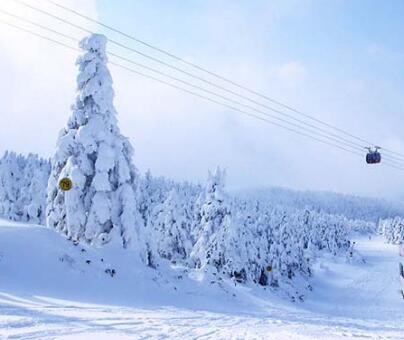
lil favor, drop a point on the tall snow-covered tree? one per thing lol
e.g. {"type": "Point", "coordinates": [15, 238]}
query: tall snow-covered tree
{"type": "Point", "coordinates": [153, 192]}
{"type": "Point", "coordinates": [102, 205]}
{"type": "Point", "coordinates": [36, 175]}
{"type": "Point", "coordinates": [214, 213]}
{"type": "Point", "coordinates": [172, 228]}
{"type": "Point", "coordinates": [11, 180]}
{"type": "Point", "coordinates": [393, 230]}
{"type": "Point", "coordinates": [198, 201]}
{"type": "Point", "coordinates": [23, 181]}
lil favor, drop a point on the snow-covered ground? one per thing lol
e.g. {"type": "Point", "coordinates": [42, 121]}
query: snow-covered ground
{"type": "Point", "coordinates": [51, 289]}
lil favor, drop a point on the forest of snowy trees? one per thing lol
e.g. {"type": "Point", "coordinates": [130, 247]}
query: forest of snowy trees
{"type": "Point", "coordinates": [393, 230]}
{"type": "Point", "coordinates": [200, 227]}
{"type": "Point", "coordinates": [350, 206]}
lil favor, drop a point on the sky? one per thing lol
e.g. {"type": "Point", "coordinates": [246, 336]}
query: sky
{"type": "Point", "coordinates": [340, 61]}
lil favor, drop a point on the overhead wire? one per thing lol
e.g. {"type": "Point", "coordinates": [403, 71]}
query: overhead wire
{"type": "Point", "coordinates": [333, 135]}
{"type": "Point", "coordinates": [184, 82]}
{"type": "Point", "coordinates": [216, 75]}
{"type": "Point", "coordinates": [195, 94]}
{"type": "Point", "coordinates": [187, 83]}
{"type": "Point", "coordinates": [162, 81]}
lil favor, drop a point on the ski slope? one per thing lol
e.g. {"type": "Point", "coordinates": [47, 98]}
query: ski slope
{"type": "Point", "coordinates": [52, 289]}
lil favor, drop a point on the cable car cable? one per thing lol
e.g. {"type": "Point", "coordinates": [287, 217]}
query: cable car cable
{"type": "Point", "coordinates": [131, 37]}
{"type": "Point", "coordinates": [344, 142]}
{"type": "Point", "coordinates": [188, 74]}
{"type": "Point", "coordinates": [189, 84]}
{"type": "Point", "coordinates": [326, 135]}
{"type": "Point", "coordinates": [194, 93]}
{"type": "Point", "coordinates": [202, 79]}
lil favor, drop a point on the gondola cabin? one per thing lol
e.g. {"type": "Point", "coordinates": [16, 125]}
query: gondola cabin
{"type": "Point", "coordinates": [373, 156]}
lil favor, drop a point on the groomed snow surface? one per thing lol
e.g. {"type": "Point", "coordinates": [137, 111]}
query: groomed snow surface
{"type": "Point", "coordinates": [52, 289]}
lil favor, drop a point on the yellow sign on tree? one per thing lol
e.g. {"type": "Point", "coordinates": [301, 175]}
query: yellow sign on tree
{"type": "Point", "coordinates": [65, 184]}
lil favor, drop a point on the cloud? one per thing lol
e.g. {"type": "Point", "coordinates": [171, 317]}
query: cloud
{"type": "Point", "coordinates": [375, 49]}
{"type": "Point", "coordinates": [37, 77]}
{"type": "Point", "coordinates": [292, 74]}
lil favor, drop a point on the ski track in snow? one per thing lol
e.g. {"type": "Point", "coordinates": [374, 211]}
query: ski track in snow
{"type": "Point", "coordinates": [359, 301]}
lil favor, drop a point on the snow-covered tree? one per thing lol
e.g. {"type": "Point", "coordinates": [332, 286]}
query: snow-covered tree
{"type": "Point", "coordinates": [393, 230]}
{"type": "Point", "coordinates": [153, 191]}
{"type": "Point", "coordinates": [214, 211]}
{"type": "Point", "coordinates": [172, 228]}
{"type": "Point", "coordinates": [11, 177]}
{"type": "Point", "coordinates": [102, 205]}
{"type": "Point", "coordinates": [33, 195]}
{"type": "Point", "coordinates": [23, 183]}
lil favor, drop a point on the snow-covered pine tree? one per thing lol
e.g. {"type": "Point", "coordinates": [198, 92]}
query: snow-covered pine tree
{"type": "Point", "coordinates": [11, 185]}
{"type": "Point", "coordinates": [23, 181]}
{"type": "Point", "coordinates": [36, 175]}
{"type": "Point", "coordinates": [196, 229]}
{"type": "Point", "coordinates": [172, 228]}
{"type": "Point", "coordinates": [219, 250]}
{"type": "Point", "coordinates": [146, 189]}
{"type": "Point", "coordinates": [393, 230]}
{"type": "Point", "coordinates": [264, 240]}
{"type": "Point", "coordinates": [277, 219]}
{"type": "Point", "coordinates": [102, 205]}
{"type": "Point", "coordinates": [242, 247]}
{"type": "Point", "coordinates": [214, 212]}
{"type": "Point", "coordinates": [191, 195]}
{"type": "Point", "coordinates": [153, 193]}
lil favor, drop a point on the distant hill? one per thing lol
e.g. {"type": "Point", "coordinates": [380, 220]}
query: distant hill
{"type": "Point", "coordinates": [353, 207]}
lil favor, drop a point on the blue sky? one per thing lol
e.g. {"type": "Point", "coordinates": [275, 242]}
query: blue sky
{"type": "Point", "coordinates": [354, 44]}
{"type": "Point", "coordinates": [321, 34]}
{"type": "Point", "coordinates": [340, 61]}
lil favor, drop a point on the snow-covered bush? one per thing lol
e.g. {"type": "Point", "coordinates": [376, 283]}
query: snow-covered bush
{"type": "Point", "coordinates": [393, 230]}
{"type": "Point", "coordinates": [23, 183]}
{"type": "Point", "coordinates": [103, 203]}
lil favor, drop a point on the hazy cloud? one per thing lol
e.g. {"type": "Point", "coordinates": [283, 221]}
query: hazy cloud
{"type": "Point", "coordinates": [292, 74]}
